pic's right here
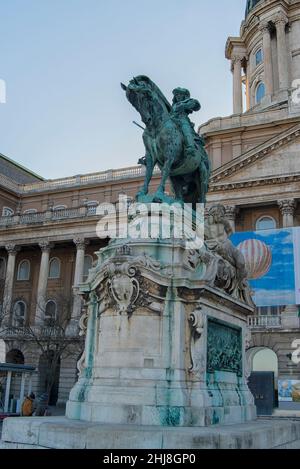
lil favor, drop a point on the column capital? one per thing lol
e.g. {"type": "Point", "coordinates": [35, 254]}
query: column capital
{"type": "Point", "coordinates": [45, 246]}
{"type": "Point", "coordinates": [280, 19]}
{"type": "Point", "coordinates": [12, 248]}
{"type": "Point", "coordinates": [287, 206]}
{"type": "Point", "coordinates": [81, 243]}
{"type": "Point", "coordinates": [264, 27]}
{"type": "Point", "coordinates": [237, 58]}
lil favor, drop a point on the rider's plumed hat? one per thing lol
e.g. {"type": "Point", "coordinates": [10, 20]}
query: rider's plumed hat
{"type": "Point", "coordinates": [181, 91]}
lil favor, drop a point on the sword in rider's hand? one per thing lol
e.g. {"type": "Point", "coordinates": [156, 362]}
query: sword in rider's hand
{"type": "Point", "coordinates": [138, 125]}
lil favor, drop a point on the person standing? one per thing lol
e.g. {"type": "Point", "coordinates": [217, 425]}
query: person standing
{"type": "Point", "coordinates": [28, 406]}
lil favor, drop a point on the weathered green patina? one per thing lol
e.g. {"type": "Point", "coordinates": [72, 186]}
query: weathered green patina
{"type": "Point", "coordinates": [170, 142]}
{"type": "Point", "coordinates": [224, 348]}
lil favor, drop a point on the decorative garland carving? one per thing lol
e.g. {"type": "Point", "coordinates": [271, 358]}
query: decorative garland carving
{"type": "Point", "coordinates": [197, 324]}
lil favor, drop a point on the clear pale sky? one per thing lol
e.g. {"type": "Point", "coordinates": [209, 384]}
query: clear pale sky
{"type": "Point", "coordinates": [63, 61]}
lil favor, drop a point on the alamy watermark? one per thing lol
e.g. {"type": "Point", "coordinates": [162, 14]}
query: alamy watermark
{"type": "Point", "coordinates": [296, 353]}
{"type": "Point", "coordinates": [136, 220]}
{"type": "Point", "coordinates": [2, 91]}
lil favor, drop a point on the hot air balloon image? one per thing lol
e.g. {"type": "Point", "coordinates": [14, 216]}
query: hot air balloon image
{"type": "Point", "coordinates": [258, 258]}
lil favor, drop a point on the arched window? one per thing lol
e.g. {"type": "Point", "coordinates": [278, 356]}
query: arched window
{"type": "Point", "coordinates": [54, 268]}
{"type": "Point", "coordinates": [2, 268]}
{"type": "Point", "coordinates": [265, 223]}
{"type": "Point", "coordinates": [15, 356]}
{"type": "Point", "coordinates": [23, 270]}
{"type": "Point", "coordinates": [19, 314]}
{"type": "Point", "coordinates": [88, 264]}
{"type": "Point", "coordinates": [258, 57]}
{"type": "Point", "coordinates": [59, 207]}
{"type": "Point", "coordinates": [260, 92]}
{"type": "Point", "coordinates": [50, 313]}
{"type": "Point", "coordinates": [7, 212]}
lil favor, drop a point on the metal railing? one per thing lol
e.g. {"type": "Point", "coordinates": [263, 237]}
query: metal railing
{"type": "Point", "coordinates": [268, 322]}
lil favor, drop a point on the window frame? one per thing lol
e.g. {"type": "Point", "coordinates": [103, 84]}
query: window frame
{"type": "Point", "coordinates": [261, 83]}
{"type": "Point", "coordinates": [259, 50]}
{"type": "Point", "coordinates": [269, 217]}
{"type": "Point", "coordinates": [92, 204]}
{"type": "Point", "coordinates": [50, 317]}
{"type": "Point", "coordinates": [14, 312]}
{"type": "Point", "coordinates": [59, 268]}
{"type": "Point", "coordinates": [23, 261]}
{"type": "Point", "coordinates": [85, 276]}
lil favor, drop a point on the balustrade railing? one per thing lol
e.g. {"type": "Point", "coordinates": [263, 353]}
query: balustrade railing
{"type": "Point", "coordinates": [49, 215]}
{"type": "Point", "coordinates": [104, 176]}
{"type": "Point", "coordinates": [269, 322]}
{"type": "Point", "coordinates": [35, 331]}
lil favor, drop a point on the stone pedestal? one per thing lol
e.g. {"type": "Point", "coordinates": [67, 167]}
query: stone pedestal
{"type": "Point", "coordinates": [164, 345]}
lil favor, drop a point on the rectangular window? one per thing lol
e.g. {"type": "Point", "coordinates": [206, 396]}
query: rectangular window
{"type": "Point", "coordinates": [258, 57]}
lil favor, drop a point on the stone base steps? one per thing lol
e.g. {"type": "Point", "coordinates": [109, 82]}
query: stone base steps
{"type": "Point", "coordinates": [62, 433]}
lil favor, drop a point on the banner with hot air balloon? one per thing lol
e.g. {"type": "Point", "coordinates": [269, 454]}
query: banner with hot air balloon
{"type": "Point", "coordinates": [273, 263]}
{"type": "Point", "coordinates": [296, 239]}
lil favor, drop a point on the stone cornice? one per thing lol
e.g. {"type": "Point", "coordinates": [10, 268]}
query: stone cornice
{"type": "Point", "coordinates": [277, 114]}
{"type": "Point", "coordinates": [254, 183]}
{"type": "Point", "coordinates": [235, 48]}
{"type": "Point", "coordinates": [255, 154]}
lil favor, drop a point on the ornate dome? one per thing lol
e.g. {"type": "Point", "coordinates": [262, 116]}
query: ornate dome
{"type": "Point", "coordinates": [250, 5]}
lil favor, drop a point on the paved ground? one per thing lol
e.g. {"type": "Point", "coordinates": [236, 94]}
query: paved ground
{"type": "Point", "coordinates": [283, 414]}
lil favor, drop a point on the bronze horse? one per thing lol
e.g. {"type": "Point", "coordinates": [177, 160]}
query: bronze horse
{"type": "Point", "coordinates": [164, 144]}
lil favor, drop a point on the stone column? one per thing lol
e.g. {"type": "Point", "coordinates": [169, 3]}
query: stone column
{"type": "Point", "coordinates": [267, 58]}
{"type": "Point", "coordinates": [231, 213]}
{"type": "Point", "coordinates": [81, 244]}
{"type": "Point", "coordinates": [7, 391]}
{"type": "Point", "coordinates": [237, 85]}
{"type": "Point", "coordinates": [43, 280]}
{"type": "Point", "coordinates": [290, 315]}
{"type": "Point", "coordinates": [248, 90]}
{"type": "Point", "coordinates": [280, 23]}
{"type": "Point", "coordinates": [287, 208]}
{"type": "Point", "coordinates": [9, 281]}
